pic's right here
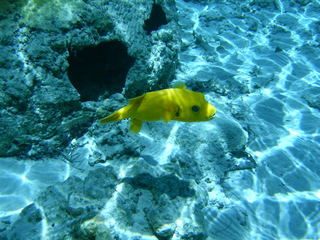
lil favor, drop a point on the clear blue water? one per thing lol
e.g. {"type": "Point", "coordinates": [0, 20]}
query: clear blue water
{"type": "Point", "coordinates": [274, 55]}
{"type": "Point", "coordinates": [259, 64]}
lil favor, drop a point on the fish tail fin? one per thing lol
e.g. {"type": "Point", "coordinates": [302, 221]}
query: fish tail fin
{"type": "Point", "coordinates": [125, 112]}
{"type": "Point", "coordinates": [116, 116]}
{"type": "Point", "coordinates": [135, 125]}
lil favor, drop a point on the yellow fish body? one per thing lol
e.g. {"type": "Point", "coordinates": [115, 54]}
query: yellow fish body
{"type": "Point", "coordinates": [177, 104]}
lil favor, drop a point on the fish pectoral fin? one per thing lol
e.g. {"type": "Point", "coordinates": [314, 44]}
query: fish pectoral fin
{"type": "Point", "coordinates": [135, 125]}
{"type": "Point", "coordinates": [171, 113]}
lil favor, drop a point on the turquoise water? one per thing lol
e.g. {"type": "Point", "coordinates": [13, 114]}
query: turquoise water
{"type": "Point", "coordinates": [282, 192]}
{"type": "Point", "coordinates": [253, 171]}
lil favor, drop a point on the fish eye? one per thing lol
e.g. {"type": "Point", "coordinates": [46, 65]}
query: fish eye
{"type": "Point", "coordinates": [195, 108]}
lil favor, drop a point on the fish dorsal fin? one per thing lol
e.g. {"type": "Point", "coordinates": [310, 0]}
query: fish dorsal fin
{"type": "Point", "coordinates": [134, 103]}
{"type": "Point", "coordinates": [180, 85]}
{"type": "Point", "coordinates": [125, 112]}
{"type": "Point", "coordinates": [137, 100]}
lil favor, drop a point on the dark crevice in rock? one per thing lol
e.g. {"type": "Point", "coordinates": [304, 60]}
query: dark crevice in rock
{"type": "Point", "coordinates": [99, 70]}
{"type": "Point", "coordinates": [157, 18]}
{"type": "Point", "coordinates": [168, 184]}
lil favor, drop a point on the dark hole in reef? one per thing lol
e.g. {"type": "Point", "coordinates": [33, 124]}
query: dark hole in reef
{"type": "Point", "coordinates": [156, 19]}
{"type": "Point", "coordinates": [99, 70]}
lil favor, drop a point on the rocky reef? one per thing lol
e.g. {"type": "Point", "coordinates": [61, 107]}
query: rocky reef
{"type": "Point", "coordinates": [60, 58]}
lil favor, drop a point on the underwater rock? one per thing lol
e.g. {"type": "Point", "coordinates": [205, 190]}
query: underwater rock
{"type": "Point", "coordinates": [95, 229]}
{"type": "Point", "coordinates": [160, 218]}
{"type": "Point", "coordinates": [228, 224]}
{"type": "Point", "coordinates": [115, 143]}
{"type": "Point", "coordinates": [312, 96]}
{"type": "Point", "coordinates": [106, 179]}
{"type": "Point", "coordinates": [165, 231]}
{"type": "Point", "coordinates": [65, 206]}
{"type": "Point", "coordinates": [188, 166]}
{"type": "Point", "coordinates": [233, 134]}
{"type": "Point", "coordinates": [149, 159]}
{"type": "Point", "coordinates": [209, 148]}
{"type": "Point", "coordinates": [146, 213]}
{"type": "Point", "coordinates": [194, 236]}
{"type": "Point", "coordinates": [168, 184]}
{"type": "Point", "coordinates": [272, 5]}
{"type": "Point", "coordinates": [303, 2]}
{"type": "Point", "coordinates": [63, 54]}
{"type": "Point", "coordinates": [28, 225]}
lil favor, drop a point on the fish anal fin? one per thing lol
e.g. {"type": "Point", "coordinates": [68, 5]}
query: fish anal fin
{"type": "Point", "coordinates": [167, 117]}
{"type": "Point", "coordinates": [135, 125]}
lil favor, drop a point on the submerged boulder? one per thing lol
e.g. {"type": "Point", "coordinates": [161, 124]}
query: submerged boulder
{"type": "Point", "coordinates": [63, 55]}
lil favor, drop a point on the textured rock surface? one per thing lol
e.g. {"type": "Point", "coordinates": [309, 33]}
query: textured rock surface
{"type": "Point", "coordinates": [28, 225]}
{"type": "Point", "coordinates": [51, 59]}
{"type": "Point", "coordinates": [65, 207]}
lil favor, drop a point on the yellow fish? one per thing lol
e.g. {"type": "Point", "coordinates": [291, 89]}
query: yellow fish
{"type": "Point", "coordinates": [179, 104]}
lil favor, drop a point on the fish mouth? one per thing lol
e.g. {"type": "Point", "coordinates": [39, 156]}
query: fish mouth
{"type": "Point", "coordinates": [212, 116]}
